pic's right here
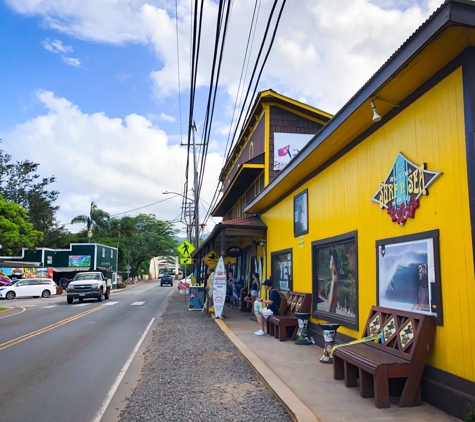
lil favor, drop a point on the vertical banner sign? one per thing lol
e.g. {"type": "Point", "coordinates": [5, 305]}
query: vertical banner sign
{"type": "Point", "coordinates": [219, 288]}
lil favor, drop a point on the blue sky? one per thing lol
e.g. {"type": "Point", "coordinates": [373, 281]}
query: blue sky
{"type": "Point", "coordinates": [89, 89]}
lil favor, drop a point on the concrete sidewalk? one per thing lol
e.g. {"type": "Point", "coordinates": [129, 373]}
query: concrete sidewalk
{"type": "Point", "coordinates": [306, 386]}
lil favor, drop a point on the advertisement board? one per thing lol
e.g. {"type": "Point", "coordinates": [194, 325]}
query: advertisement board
{"type": "Point", "coordinates": [219, 288]}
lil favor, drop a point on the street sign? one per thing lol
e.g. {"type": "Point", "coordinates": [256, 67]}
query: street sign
{"type": "Point", "coordinates": [211, 259]}
{"type": "Point", "coordinates": [186, 248]}
{"type": "Point", "coordinates": [128, 267]}
{"type": "Point", "coordinates": [186, 260]}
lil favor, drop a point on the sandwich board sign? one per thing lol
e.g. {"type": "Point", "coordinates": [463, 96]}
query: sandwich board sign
{"type": "Point", "coordinates": [219, 288]}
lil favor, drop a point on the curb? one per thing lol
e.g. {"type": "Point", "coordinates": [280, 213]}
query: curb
{"type": "Point", "coordinates": [298, 411]}
{"type": "Point", "coordinates": [11, 312]}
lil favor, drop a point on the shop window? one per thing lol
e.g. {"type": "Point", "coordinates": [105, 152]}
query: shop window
{"type": "Point", "coordinates": [335, 279]}
{"type": "Point", "coordinates": [408, 274]}
{"type": "Point", "coordinates": [281, 274]}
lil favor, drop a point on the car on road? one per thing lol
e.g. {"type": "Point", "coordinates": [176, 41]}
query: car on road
{"type": "Point", "coordinates": [88, 285]}
{"type": "Point", "coordinates": [36, 287]}
{"type": "Point", "coordinates": [166, 279]}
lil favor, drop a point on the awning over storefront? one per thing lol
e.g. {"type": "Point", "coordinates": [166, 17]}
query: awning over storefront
{"type": "Point", "coordinates": [70, 269]}
{"type": "Point", "coordinates": [21, 264]}
{"type": "Point", "coordinates": [227, 232]}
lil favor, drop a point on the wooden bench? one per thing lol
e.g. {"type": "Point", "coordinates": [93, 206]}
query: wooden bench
{"type": "Point", "coordinates": [394, 365]}
{"type": "Point", "coordinates": [277, 324]}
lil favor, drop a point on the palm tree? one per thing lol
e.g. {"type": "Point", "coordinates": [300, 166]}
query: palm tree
{"type": "Point", "coordinates": [124, 227]}
{"type": "Point", "coordinates": [95, 221]}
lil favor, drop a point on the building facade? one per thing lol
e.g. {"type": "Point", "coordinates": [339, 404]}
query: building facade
{"type": "Point", "coordinates": [351, 220]}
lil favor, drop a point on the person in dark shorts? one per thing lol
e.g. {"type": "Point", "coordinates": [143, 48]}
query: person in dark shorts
{"type": "Point", "coordinates": [254, 293]}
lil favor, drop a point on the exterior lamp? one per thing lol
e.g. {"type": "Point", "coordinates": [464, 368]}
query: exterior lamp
{"type": "Point", "coordinates": [89, 235]}
{"type": "Point", "coordinates": [376, 116]}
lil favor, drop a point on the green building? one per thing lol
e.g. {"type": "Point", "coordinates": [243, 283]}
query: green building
{"type": "Point", "coordinates": [62, 263]}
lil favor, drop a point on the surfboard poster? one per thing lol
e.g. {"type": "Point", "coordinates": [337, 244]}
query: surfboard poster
{"type": "Point", "coordinates": [219, 288]}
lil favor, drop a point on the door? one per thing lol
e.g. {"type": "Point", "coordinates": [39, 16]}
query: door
{"type": "Point", "coordinates": [22, 288]}
{"type": "Point", "coordinates": [35, 287]}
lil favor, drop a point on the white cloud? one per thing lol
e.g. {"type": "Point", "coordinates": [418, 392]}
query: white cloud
{"type": "Point", "coordinates": [72, 61]}
{"type": "Point", "coordinates": [56, 46]}
{"type": "Point", "coordinates": [166, 117]}
{"type": "Point", "coordinates": [120, 164]}
{"type": "Point", "coordinates": [324, 51]}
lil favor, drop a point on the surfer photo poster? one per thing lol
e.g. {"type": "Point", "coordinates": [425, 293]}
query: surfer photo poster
{"type": "Point", "coordinates": [219, 288]}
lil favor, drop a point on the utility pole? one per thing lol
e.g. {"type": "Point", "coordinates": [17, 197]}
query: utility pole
{"type": "Point", "coordinates": [197, 220]}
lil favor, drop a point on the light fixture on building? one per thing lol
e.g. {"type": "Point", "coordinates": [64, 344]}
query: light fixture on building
{"type": "Point", "coordinates": [262, 242]}
{"type": "Point", "coordinates": [376, 116]}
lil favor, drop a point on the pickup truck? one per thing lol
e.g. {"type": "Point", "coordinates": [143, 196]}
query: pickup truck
{"type": "Point", "coordinates": [88, 285]}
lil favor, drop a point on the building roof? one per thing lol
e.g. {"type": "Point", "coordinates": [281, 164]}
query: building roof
{"type": "Point", "coordinates": [447, 33]}
{"type": "Point", "coordinates": [265, 97]}
{"type": "Point", "coordinates": [251, 226]}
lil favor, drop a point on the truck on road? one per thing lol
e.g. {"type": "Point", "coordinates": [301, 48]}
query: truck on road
{"type": "Point", "coordinates": [88, 285]}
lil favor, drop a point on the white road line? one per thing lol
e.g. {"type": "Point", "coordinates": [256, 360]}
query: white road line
{"type": "Point", "coordinates": [50, 306]}
{"type": "Point", "coordinates": [121, 375]}
{"type": "Point", "coordinates": [8, 316]}
{"type": "Point", "coordinates": [110, 303]}
{"type": "Point", "coordinates": [77, 305]}
{"type": "Point", "coordinates": [137, 303]}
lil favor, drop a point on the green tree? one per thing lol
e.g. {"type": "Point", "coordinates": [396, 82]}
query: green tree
{"type": "Point", "coordinates": [96, 221]}
{"type": "Point", "coordinates": [20, 183]}
{"type": "Point", "coordinates": [16, 232]}
{"type": "Point", "coordinates": [152, 238]}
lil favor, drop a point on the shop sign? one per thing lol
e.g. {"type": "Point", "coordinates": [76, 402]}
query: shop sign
{"type": "Point", "coordinates": [219, 288]}
{"type": "Point", "coordinates": [404, 185]}
{"type": "Point", "coordinates": [234, 251]}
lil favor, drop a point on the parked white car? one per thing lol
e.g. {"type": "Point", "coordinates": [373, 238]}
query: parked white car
{"type": "Point", "coordinates": [36, 287]}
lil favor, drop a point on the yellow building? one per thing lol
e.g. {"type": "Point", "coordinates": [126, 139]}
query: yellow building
{"type": "Point", "coordinates": [356, 198]}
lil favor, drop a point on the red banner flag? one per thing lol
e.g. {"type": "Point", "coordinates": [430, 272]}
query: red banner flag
{"type": "Point", "coordinates": [283, 151]}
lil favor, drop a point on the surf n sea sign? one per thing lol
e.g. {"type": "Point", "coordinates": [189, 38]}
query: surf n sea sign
{"type": "Point", "coordinates": [219, 288]}
{"type": "Point", "coordinates": [400, 193]}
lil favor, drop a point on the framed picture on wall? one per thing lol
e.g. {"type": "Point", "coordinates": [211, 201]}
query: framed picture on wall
{"type": "Point", "coordinates": [408, 273]}
{"type": "Point", "coordinates": [335, 279]}
{"type": "Point", "coordinates": [281, 271]}
{"type": "Point", "coordinates": [301, 213]}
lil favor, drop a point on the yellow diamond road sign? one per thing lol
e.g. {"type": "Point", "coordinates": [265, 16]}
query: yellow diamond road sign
{"type": "Point", "coordinates": [186, 248]}
{"type": "Point", "coordinates": [186, 260]}
{"type": "Point", "coordinates": [211, 259]}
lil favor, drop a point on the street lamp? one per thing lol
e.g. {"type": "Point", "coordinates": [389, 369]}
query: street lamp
{"type": "Point", "coordinates": [89, 235]}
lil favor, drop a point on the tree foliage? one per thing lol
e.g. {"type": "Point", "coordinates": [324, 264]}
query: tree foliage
{"type": "Point", "coordinates": [16, 232]}
{"type": "Point", "coordinates": [20, 183]}
{"type": "Point", "coordinates": [151, 238]}
{"type": "Point", "coordinates": [96, 221]}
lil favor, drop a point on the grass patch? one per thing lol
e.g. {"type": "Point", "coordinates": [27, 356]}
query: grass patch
{"type": "Point", "coordinates": [3, 309]}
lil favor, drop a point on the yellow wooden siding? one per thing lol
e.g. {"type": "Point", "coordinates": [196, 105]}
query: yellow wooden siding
{"type": "Point", "coordinates": [430, 130]}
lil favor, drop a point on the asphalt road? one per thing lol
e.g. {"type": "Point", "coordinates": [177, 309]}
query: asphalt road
{"type": "Point", "coordinates": [64, 362]}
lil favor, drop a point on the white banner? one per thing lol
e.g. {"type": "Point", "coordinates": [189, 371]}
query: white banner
{"type": "Point", "coordinates": [219, 288]}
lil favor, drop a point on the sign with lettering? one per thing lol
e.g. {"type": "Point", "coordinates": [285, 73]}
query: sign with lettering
{"type": "Point", "coordinates": [234, 251]}
{"type": "Point", "coordinates": [219, 288]}
{"type": "Point", "coordinates": [404, 185]}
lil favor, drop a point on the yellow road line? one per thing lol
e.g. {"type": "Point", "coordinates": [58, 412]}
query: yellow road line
{"type": "Point", "coordinates": [24, 337]}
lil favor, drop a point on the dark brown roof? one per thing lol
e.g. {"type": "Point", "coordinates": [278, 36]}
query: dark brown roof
{"type": "Point", "coordinates": [253, 222]}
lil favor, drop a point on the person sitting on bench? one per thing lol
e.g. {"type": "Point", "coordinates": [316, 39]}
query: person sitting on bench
{"type": "Point", "coordinates": [272, 303]}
